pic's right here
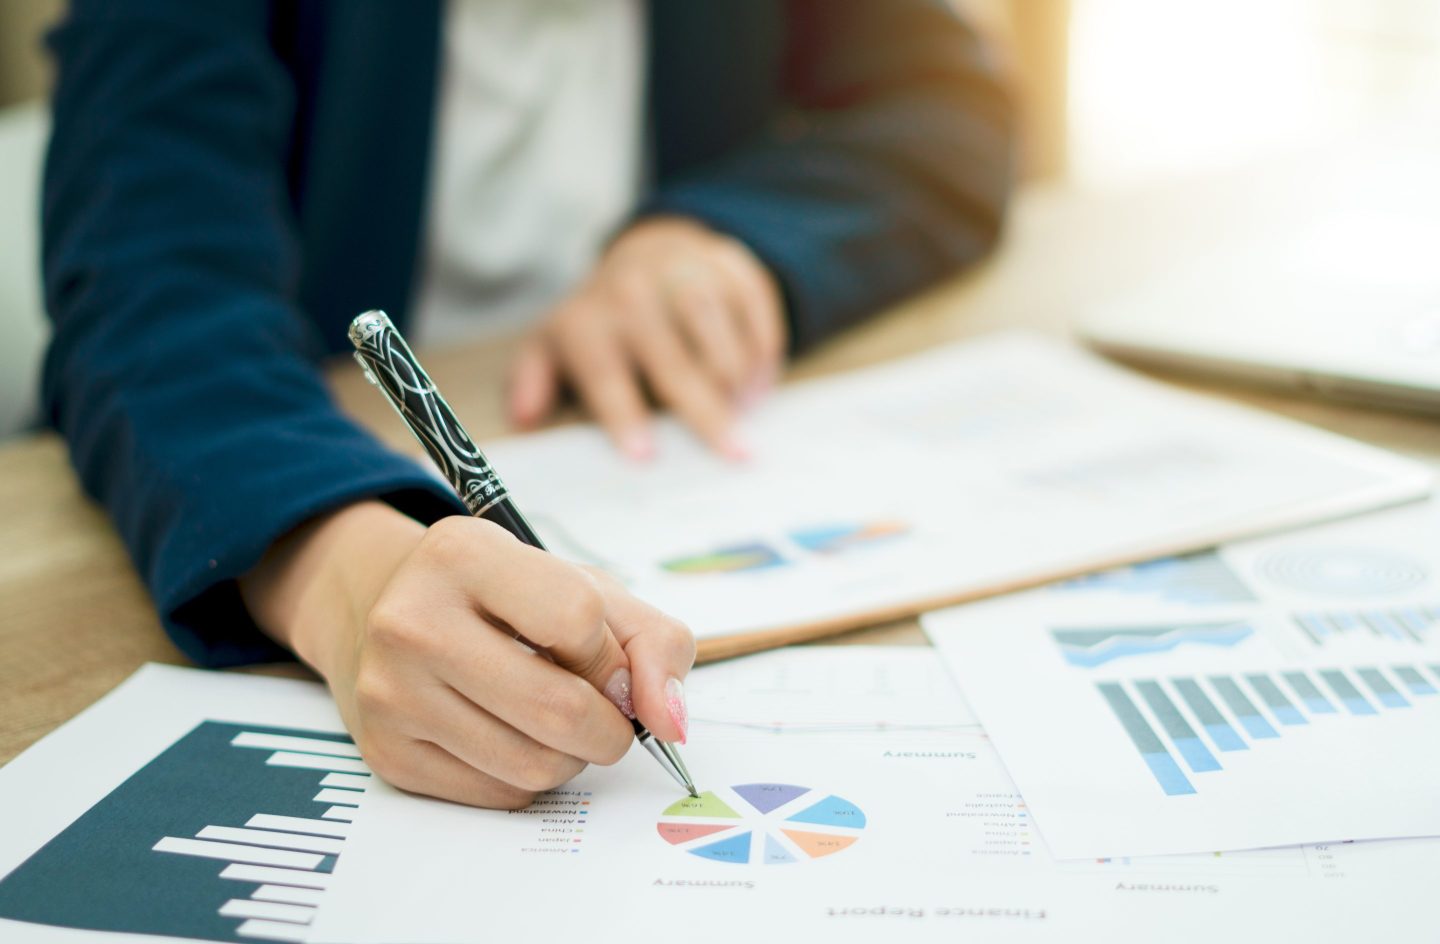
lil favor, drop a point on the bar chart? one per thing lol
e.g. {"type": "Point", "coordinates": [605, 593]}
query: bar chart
{"type": "Point", "coordinates": [230, 834]}
{"type": "Point", "coordinates": [1404, 624]}
{"type": "Point", "coordinates": [1224, 713]}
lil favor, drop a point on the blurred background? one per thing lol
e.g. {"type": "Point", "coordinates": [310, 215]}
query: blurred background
{"type": "Point", "coordinates": [1117, 95]}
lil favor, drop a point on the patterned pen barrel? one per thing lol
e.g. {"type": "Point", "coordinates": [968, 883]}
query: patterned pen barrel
{"type": "Point", "coordinates": [390, 365]}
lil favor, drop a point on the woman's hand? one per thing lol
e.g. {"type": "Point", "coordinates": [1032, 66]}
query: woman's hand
{"type": "Point", "coordinates": [415, 630]}
{"type": "Point", "coordinates": [673, 307]}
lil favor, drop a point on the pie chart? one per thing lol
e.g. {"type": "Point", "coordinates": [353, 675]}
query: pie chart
{"type": "Point", "coordinates": [762, 824]}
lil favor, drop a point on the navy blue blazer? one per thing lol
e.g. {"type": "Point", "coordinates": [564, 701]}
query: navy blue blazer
{"type": "Point", "coordinates": [230, 181]}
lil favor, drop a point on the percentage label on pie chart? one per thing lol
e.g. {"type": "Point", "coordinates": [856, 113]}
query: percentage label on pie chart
{"type": "Point", "coordinates": [762, 824]}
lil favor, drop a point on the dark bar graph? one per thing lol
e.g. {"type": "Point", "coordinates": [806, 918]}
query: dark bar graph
{"type": "Point", "coordinates": [1225, 737]}
{"type": "Point", "coordinates": [1186, 741]}
{"type": "Point", "coordinates": [1376, 681]}
{"type": "Point", "coordinates": [1275, 699]}
{"type": "Point", "coordinates": [1243, 708]}
{"type": "Point", "coordinates": [1413, 680]}
{"type": "Point", "coordinates": [1152, 750]}
{"type": "Point", "coordinates": [1346, 691]}
{"type": "Point", "coordinates": [1310, 694]}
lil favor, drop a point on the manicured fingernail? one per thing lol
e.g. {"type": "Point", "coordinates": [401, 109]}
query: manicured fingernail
{"type": "Point", "coordinates": [675, 704]}
{"type": "Point", "coordinates": [637, 444]}
{"type": "Point", "coordinates": [618, 691]}
{"type": "Point", "coordinates": [733, 447]}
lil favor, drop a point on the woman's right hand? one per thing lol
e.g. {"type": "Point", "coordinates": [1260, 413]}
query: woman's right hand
{"type": "Point", "coordinates": [415, 631]}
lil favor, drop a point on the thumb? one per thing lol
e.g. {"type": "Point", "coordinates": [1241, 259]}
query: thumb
{"type": "Point", "coordinates": [581, 642]}
{"type": "Point", "coordinates": [660, 651]}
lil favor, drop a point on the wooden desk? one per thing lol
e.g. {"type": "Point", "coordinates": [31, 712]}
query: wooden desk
{"type": "Point", "coordinates": [74, 620]}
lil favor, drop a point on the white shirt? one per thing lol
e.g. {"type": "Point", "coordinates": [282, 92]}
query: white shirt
{"type": "Point", "coordinates": [537, 157]}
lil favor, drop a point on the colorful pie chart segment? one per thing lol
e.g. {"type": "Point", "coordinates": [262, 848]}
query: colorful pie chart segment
{"type": "Point", "coordinates": [831, 811]}
{"type": "Point", "coordinates": [676, 833]}
{"type": "Point", "coordinates": [726, 560]}
{"type": "Point", "coordinates": [816, 845]}
{"type": "Point", "coordinates": [734, 849]}
{"type": "Point", "coordinates": [775, 853]}
{"type": "Point", "coordinates": [762, 824]}
{"type": "Point", "coordinates": [835, 538]}
{"type": "Point", "coordinates": [767, 797]}
{"type": "Point", "coordinates": [706, 804]}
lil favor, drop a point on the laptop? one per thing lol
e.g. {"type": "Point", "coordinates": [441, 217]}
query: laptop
{"type": "Point", "coordinates": [1348, 309]}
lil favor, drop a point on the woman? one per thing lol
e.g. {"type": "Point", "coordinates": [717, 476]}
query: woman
{"type": "Point", "coordinates": [683, 192]}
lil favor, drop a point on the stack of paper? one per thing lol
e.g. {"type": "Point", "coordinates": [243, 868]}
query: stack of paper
{"type": "Point", "coordinates": [963, 472]}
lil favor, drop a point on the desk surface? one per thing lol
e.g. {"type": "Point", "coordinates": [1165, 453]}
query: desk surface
{"type": "Point", "coordinates": [75, 621]}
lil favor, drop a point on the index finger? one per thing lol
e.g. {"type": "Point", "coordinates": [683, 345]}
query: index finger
{"type": "Point", "coordinates": [758, 297]}
{"type": "Point", "coordinates": [600, 372]}
{"type": "Point", "coordinates": [552, 604]}
{"type": "Point", "coordinates": [680, 383]}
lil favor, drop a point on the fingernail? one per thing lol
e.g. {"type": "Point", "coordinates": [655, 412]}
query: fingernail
{"type": "Point", "coordinates": [751, 396]}
{"type": "Point", "coordinates": [637, 444]}
{"type": "Point", "coordinates": [734, 448]}
{"type": "Point", "coordinates": [618, 691]}
{"type": "Point", "coordinates": [675, 704]}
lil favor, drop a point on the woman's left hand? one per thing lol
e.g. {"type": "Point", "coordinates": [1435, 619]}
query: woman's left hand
{"type": "Point", "coordinates": [673, 307]}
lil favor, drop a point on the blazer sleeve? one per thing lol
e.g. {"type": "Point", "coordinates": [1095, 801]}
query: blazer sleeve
{"type": "Point", "coordinates": [180, 371]}
{"type": "Point", "coordinates": [889, 168]}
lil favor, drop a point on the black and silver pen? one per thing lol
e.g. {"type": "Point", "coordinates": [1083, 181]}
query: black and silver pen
{"type": "Point", "coordinates": [391, 366]}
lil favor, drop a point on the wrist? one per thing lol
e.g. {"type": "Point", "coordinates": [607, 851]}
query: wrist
{"type": "Point", "coordinates": [314, 587]}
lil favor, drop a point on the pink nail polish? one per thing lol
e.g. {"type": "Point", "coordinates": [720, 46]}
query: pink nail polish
{"type": "Point", "coordinates": [675, 705]}
{"type": "Point", "coordinates": [637, 444]}
{"type": "Point", "coordinates": [619, 692]}
{"type": "Point", "coordinates": [734, 448]}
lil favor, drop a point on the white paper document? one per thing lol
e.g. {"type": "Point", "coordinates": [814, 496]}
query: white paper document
{"type": "Point", "coordinates": [184, 805]}
{"type": "Point", "coordinates": [1277, 691]}
{"type": "Point", "coordinates": [962, 471]}
{"type": "Point", "coordinates": [846, 796]}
